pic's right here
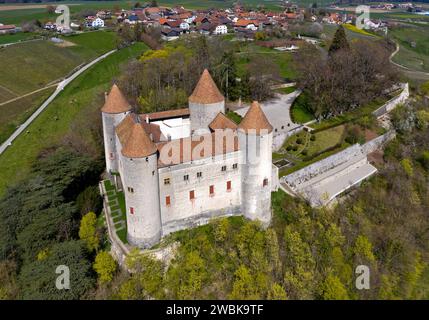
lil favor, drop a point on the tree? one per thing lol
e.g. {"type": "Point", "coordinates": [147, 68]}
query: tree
{"type": "Point", "coordinates": [88, 231]}
{"type": "Point", "coordinates": [277, 292]}
{"type": "Point", "coordinates": [244, 287]}
{"type": "Point", "coordinates": [105, 266]}
{"type": "Point", "coordinates": [339, 42]}
{"type": "Point", "coordinates": [333, 289]}
{"type": "Point", "coordinates": [37, 279]}
{"type": "Point", "coordinates": [153, 3]}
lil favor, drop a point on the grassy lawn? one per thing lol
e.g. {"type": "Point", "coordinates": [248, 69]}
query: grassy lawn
{"type": "Point", "coordinates": [14, 113]}
{"type": "Point", "coordinates": [92, 44]}
{"type": "Point", "coordinates": [32, 65]}
{"type": "Point", "coordinates": [249, 52]}
{"type": "Point", "coordinates": [414, 47]}
{"type": "Point", "coordinates": [81, 96]}
{"type": "Point", "coordinates": [299, 110]}
{"type": "Point", "coordinates": [16, 37]}
{"type": "Point", "coordinates": [286, 90]}
{"type": "Point", "coordinates": [309, 144]}
{"type": "Point", "coordinates": [234, 116]}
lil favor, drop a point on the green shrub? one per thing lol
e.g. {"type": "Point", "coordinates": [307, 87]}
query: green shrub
{"type": "Point", "coordinates": [299, 141]}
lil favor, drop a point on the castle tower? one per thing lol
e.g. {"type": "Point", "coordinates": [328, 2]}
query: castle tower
{"type": "Point", "coordinates": [115, 108]}
{"type": "Point", "coordinates": [140, 178]}
{"type": "Point", "coordinates": [204, 104]}
{"type": "Point", "coordinates": [255, 135]}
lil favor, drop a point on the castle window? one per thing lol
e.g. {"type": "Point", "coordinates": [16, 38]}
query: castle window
{"type": "Point", "coordinates": [199, 174]}
{"type": "Point", "coordinates": [130, 190]}
{"type": "Point", "coordinates": [235, 166]}
{"type": "Point", "coordinates": [223, 168]}
{"type": "Point", "coordinates": [283, 127]}
{"type": "Point", "coordinates": [191, 195]}
{"type": "Point", "coordinates": [228, 186]}
{"type": "Point", "coordinates": [132, 210]}
{"type": "Point", "coordinates": [153, 172]}
{"type": "Point", "coordinates": [265, 182]}
{"type": "Point", "coordinates": [186, 177]}
{"type": "Point", "coordinates": [167, 181]}
{"type": "Point", "coordinates": [111, 156]}
{"type": "Point", "coordinates": [211, 190]}
{"type": "Point", "coordinates": [167, 201]}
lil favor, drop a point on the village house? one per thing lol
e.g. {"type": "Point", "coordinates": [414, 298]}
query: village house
{"type": "Point", "coordinates": [8, 28]}
{"type": "Point", "coordinates": [221, 29]}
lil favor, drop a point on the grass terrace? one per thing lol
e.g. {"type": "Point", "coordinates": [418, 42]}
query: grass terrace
{"type": "Point", "coordinates": [116, 202]}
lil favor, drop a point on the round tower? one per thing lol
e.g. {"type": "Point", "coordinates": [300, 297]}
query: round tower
{"type": "Point", "coordinates": [255, 135]}
{"type": "Point", "coordinates": [115, 108]}
{"type": "Point", "coordinates": [205, 103]}
{"type": "Point", "coordinates": [140, 181]}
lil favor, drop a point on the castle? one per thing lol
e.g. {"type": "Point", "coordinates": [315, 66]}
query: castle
{"type": "Point", "coordinates": [181, 168]}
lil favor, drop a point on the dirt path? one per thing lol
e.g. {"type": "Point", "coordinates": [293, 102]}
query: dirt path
{"type": "Point", "coordinates": [29, 94]}
{"type": "Point", "coordinates": [407, 71]}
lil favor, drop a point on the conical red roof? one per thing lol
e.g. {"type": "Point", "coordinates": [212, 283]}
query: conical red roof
{"type": "Point", "coordinates": [138, 144]}
{"type": "Point", "coordinates": [115, 102]}
{"type": "Point", "coordinates": [255, 120]}
{"type": "Point", "coordinates": [206, 91]}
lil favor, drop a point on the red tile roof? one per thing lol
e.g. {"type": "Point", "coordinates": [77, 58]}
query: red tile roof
{"type": "Point", "coordinates": [206, 91]}
{"type": "Point", "coordinates": [134, 139]}
{"type": "Point", "coordinates": [221, 121]}
{"type": "Point", "coordinates": [115, 102]}
{"type": "Point", "coordinates": [255, 120]}
{"type": "Point", "coordinates": [195, 148]}
{"type": "Point", "coordinates": [166, 114]}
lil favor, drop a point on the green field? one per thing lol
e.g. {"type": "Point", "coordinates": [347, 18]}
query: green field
{"type": "Point", "coordinates": [14, 113]}
{"type": "Point", "coordinates": [83, 95]}
{"type": "Point", "coordinates": [32, 65]}
{"type": "Point", "coordinates": [17, 37]}
{"type": "Point", "coordinates": [414, 47]}
{"type": "Point", "coordinates": [249, 52]}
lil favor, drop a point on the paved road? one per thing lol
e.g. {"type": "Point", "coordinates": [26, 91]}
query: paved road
{"type": "Point", "coordinates": [277, 111]}
{"type": "Point", "coordinates": [60, 87]}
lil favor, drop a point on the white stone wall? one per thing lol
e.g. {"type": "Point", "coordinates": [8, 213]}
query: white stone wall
{"type": "Point", "coordinates": [203, 114]}
{"type": "Point", "coordinates": [183, 212]}
{"type": "Point", "coordinates": [256, 166]}
{"type": "Point", "coordinates": [378, 142]}
{"type": "Point", "coordinates": [144, 225]}
{"type": "Point", "coordinates": [394, 102]}
{"type": "Point", "coordinates": [305, 174]}
{"type": "Point", "coordinates": [110, 121]}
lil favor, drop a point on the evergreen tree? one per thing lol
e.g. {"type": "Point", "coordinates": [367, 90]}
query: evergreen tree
{"type": "Point", "coordinates": [340, 41]}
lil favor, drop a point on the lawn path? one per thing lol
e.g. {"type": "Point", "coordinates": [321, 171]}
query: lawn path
{"type": "Point", "coordinates": [60, 87]}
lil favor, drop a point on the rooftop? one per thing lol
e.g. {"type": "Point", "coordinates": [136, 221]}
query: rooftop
{"type": "Point", "coordinates": [115, 102]}
{"type": "Point", "coordinates": [255, 120]}
{"type": "Point", "coordinates": [206, 91]}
